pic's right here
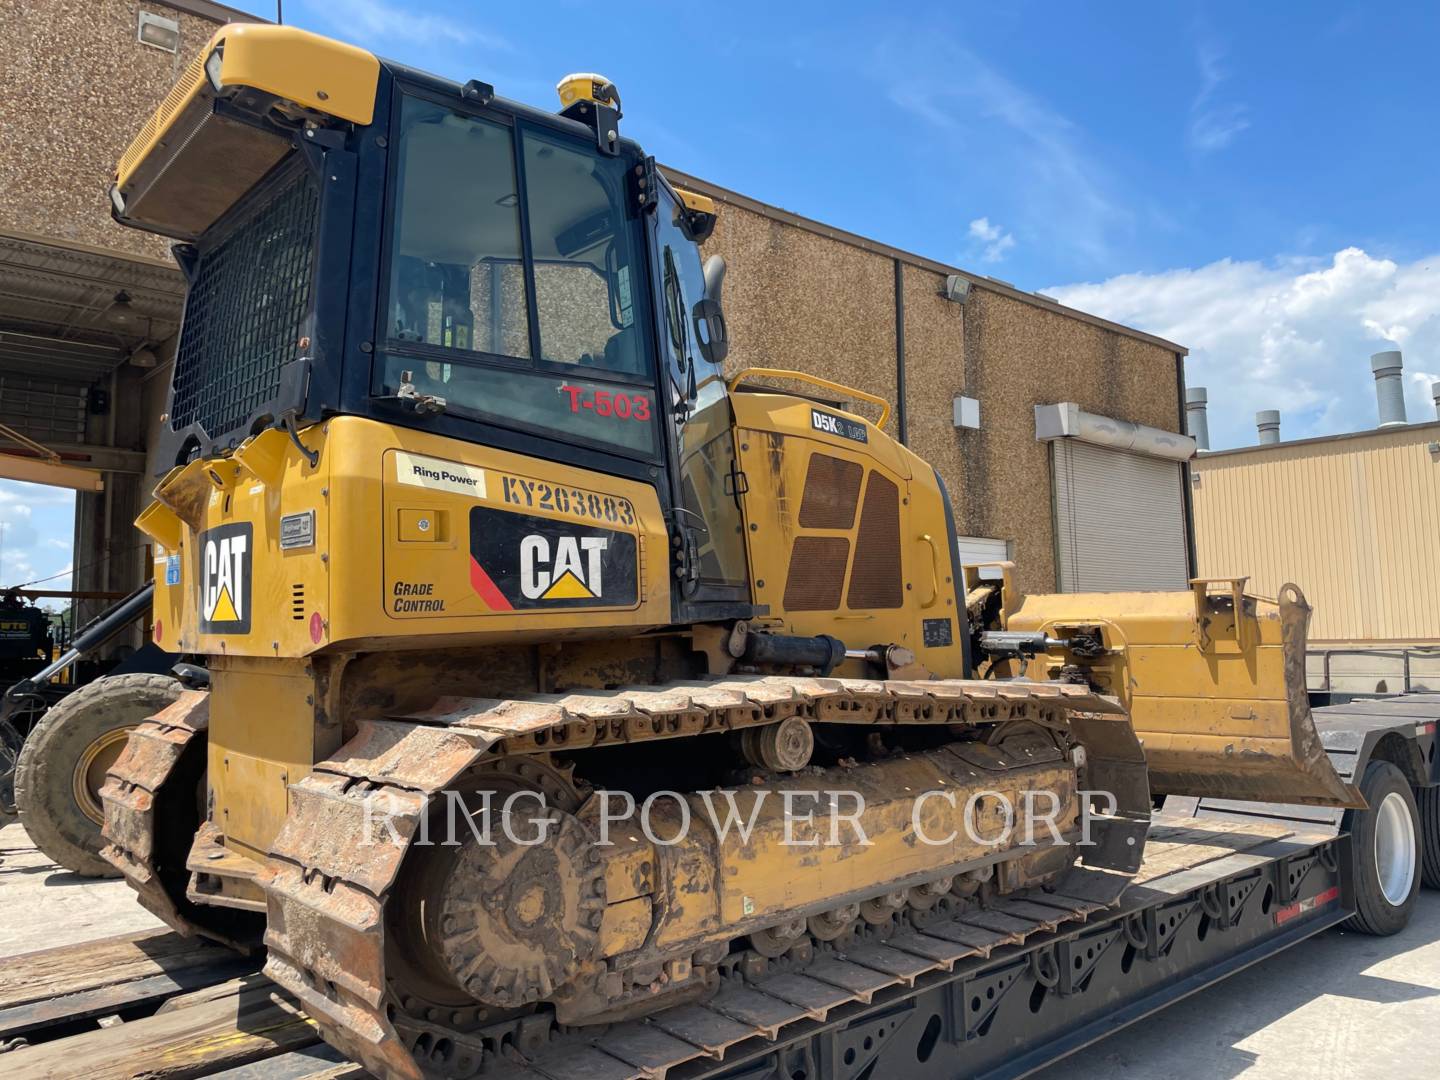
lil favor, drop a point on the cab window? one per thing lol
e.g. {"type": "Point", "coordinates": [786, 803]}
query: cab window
{"type": "Point", "coordinates": [514, 279]}
{"type": "Point", "coordinates": [584, 262]}
{"type": "Point", "coordinates": [456, 279]}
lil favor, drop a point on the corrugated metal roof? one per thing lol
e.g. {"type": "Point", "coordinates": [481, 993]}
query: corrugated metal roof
{"type": "Point", "coordinates": [1430, 427]}
{"type": "Point", "coordinates": [59, 314]}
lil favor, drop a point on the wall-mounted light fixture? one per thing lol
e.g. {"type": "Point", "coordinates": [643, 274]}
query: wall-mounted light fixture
{"type": "Point", "coordinates": [957, 288]}
{"type": "Point", "coordinates": [158, 32]}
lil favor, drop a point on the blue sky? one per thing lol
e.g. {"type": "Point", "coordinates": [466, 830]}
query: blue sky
{"type": "Point", "coordinates": [36, 523]}
{"type": "Point", "coordinates": [1253, 181]}
{"type": "Point", "coordinates": [1103, 138]}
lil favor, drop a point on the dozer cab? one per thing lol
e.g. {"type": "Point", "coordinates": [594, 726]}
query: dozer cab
{"type": "Point", "coordinates": [469, 522]}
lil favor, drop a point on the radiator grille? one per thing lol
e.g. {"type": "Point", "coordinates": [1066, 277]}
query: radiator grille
{"type": "Point", "coordinates": [297, 601]}
{"type": "Point", "coordinates": [875, 579]}
{"type": "Point", "coordinates": [246, 308]}
{"type": "Point", "coordinates": [832, 487]}
{"type": "Point", "coordinates": [817, 573]}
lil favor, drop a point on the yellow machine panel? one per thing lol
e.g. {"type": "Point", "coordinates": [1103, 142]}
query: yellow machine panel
{"type": "Point", "coordinates": [446, 543]}
{"type": "Point", "coordinates": [192, 160]}
{"type": "Point", "coordinates": [263, 734]}
{"type": "Point", "coordinates": [847, 530]}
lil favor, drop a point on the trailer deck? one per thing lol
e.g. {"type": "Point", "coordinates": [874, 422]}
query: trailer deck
{"type": "Point", "coordinates": [1212, 897]}
{"type": "Point", "coordinates": [999, 992]}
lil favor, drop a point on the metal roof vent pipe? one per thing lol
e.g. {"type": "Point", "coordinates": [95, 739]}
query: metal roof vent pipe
{"type": "Point", "coordinates": [1389, 387]}
{"type": "Point", "coordinates": [1435, 393]}
{"type": "Point", "coordinates": [1196, 424]}
{"type": "Point", "coordinates": [1268, 421]}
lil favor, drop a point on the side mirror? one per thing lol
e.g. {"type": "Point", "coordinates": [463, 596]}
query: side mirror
{"type": "Point", "coordinates": [714, 274]}
{"type": "Point", "coordinates": [709, 316]}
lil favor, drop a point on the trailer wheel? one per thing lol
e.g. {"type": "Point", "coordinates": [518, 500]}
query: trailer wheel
{"type": "Point", "coordinates": [1385, 852]}
{"type": "Point", "coordinates": [1428, 801]}
{"type": "Point", "coordinates": [63, 764]}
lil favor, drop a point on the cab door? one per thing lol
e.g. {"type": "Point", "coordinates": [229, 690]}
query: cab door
{"type": "Point", "coordinates": [705, 481]}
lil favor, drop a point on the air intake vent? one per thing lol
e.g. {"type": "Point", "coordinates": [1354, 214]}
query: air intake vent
{"type": "Point", "coordinates": [875, 580]}
{"type": "Point", "coordinates": [832, 488]}
{"type": "Point", "coordinates": [817, 573]}
{"type": "Point", "coordinates": [297, 602]}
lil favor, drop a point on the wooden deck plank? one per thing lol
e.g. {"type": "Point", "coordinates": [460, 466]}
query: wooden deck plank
{"type": "Point", "coordinates": [318, 1062]}
{"type": "Point", "coordinates": [189, 1042]}
{"type": "Point", "coordinates": [70, 969]}
{"type": "Point", "coordinates": [136, 994]}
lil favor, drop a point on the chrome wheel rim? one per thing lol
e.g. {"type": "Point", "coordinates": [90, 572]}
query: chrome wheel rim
{"type": "Point", "coordinates": [1394, 849]}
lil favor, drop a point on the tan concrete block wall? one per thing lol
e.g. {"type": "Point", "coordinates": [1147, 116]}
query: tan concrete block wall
{"type": "Point", "coordinates": [934, 375]}
{"type": "Point", "coordinates": [1018, 356]}
{"type": "Point", "coordinates": [101, 85]}
{"type": "Point", "coordinates": [794, 299]}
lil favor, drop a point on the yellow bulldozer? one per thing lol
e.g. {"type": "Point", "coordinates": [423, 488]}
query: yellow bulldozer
{"type": "Point", "coordinates": [472, 525]}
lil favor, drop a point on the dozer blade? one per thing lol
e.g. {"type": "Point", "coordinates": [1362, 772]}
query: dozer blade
{"type": "Point", "coordinates": [1218, 699]}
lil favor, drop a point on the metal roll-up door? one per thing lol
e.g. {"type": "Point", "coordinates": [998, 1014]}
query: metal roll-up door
{"type": "Point", "coordinates": [1119, 520]}
{"type": "Point", "coordinates": [982, 549]}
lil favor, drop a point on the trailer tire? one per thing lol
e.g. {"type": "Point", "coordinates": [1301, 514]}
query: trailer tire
{"type": "Point", "coordinates": [63, 761]}
{"type": "Point", "coordinates": [1385, 852]}
{"type": "Point", "coordinates": [1427, 799]}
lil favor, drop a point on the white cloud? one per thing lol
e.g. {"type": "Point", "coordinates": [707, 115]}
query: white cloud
{"type": "Point", "coordinates": [993, 241]}
{"type": "Point", "coordinates": [1288, 334]}
{"type": "Point", "coordinates": [35, 532]}
{"type": "Point", "coordinates": [376, 19]}
{"type": "Point", "coordinates": [1214, 123]}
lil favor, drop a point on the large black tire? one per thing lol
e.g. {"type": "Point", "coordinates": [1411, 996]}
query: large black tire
{"type": "Point", "coordinates": [66, 754]}
{"type": "Point", "coordinates": [1427, 799]}
{"type": "Point", "coordinates": [1386, 874]}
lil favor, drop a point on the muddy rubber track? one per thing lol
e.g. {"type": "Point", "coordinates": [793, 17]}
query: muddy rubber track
{"type": "Point", "coordinates": [331, 871]}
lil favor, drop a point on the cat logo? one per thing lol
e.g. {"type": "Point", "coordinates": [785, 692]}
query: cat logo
{"type": "Point", "coordinates": [520, 561]}
{"type": "Point", "coordinates": [573, 574]}
{"type": "Point", "coordinates": [225, 579]}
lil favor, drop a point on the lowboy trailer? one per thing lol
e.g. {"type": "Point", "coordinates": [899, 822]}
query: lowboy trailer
{"type": "Point", "coordinates": [988, 994]}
